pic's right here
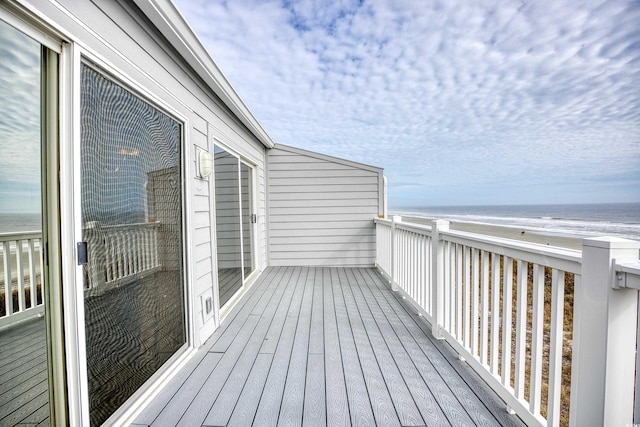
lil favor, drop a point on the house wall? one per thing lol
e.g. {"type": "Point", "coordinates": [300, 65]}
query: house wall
{"type": "Point", "coordinates": [321, 209]}
{"type": "Point", "coordinates": [118, 37]}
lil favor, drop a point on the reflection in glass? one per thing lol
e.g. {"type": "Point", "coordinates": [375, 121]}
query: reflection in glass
{"type": "Point", "coordinates": [247, 209]}
{"type": "Point", "coordinates": [132, 224]}
{"type": "Point", "coordinates": [24, 395]}
{"type": "Point", "coordinates": [227, 192]}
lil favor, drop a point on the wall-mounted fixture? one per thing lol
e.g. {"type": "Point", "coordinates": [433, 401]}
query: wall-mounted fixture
{"type": "Point", "coordinates": [204, 163]}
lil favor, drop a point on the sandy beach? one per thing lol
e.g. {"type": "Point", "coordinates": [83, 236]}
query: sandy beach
{"type": "Point", "coordinates": [523, 234]}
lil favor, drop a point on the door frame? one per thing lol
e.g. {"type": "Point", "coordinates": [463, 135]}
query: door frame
{"type": "Point", "coordinates": [54, 58]}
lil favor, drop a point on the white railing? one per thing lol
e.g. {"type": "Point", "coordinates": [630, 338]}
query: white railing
{"type": "Point", "coordinates": [120, 252]}
{"type": "Point", "coordinates": [21, 288]}
{"type": "Point", "coordinates": [506, 307]}
{"type": "Point", "coordinates": [115, 253]}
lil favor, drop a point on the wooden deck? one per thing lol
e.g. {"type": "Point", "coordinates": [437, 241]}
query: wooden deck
{"type": "Point", "coordinates": [24, 392]}
{"type": "Point", "coordinates": [325, 346]}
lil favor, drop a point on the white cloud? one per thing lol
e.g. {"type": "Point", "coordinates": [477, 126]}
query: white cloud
{"type": "Point", "coordinates": [442, 93]}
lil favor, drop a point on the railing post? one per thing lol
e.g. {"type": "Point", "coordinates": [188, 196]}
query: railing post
{"type": "Point", "coordinates": [604, 337]}
{"type": "Point", "coordinates": [394, 253]}
{"type": "Point", "coordinates": [437, 277]}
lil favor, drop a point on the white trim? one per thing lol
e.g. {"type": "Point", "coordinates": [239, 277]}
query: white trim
{"type": "Point", "coordinates": [327, 158]}
{"type": "Point", "coordinates": [70, 228]}
{"type": "Point", "coordinates": [166, 17]}
{"type": "Point", "coordinates": [30, 21]}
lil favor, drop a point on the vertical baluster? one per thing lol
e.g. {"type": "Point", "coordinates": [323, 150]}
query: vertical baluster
{"type": "Point", "coordinates": [475, 302]}
{"type": "Point", "coordinates": [20, 276]}
{"type": "Point", "coordinates": [521, 330]}
{"type": "Point", "coordinates": [41, 263]}
{"type": "Point", "coordinates": [507, 298]}
{"type": "Point", "coordinates": [446, 285]}
{"type": "Point", "coordinates": [427, 278]}
{"type": "Point", "coordinates": [412, 266]}
{"type": "Point", "coordinates": [467, 297]}
{"type": "Point", "coordinates": [424, 268]}
{"type": "Point", "coordinates": [495, 312]}
{"type": "Point", "coordinates": [459, 289]}
{"type": "Point", "coordinates": [119, 251]}
{"type": "Point", "coordinates": [33, 286]}
{"type": "Point", "coordinates": [555, 350]}
{"type": "Point", "coordinates": [8, 299]}
{"type": "Point", "coordinates": [537, 331]}
{"type": "Point", "coordinates": [484, 322]}
{"type": "Point", "coordinates": [128, 250]}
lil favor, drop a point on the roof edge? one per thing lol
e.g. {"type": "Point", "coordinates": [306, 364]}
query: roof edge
{"type": "Point", "coordinates": [328, 158]}
{"type": "Point", "coordinates": [172, 24]}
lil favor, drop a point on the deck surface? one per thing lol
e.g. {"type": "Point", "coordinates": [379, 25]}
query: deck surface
{"type": "Point", "coordinates": [24, 393]}
{"type": "Point", "coordinates": [325, 346]}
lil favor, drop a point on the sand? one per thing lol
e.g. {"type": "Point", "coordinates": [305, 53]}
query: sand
{"type": "Point", "coordinates": [523, 234]}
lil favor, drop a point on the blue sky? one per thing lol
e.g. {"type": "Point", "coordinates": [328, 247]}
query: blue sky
{"type": "Point", "coordinates": [462, 102]}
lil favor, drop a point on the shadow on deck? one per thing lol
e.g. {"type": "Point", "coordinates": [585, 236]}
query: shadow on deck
{"type": "Point", "coordinates": [325, 346]}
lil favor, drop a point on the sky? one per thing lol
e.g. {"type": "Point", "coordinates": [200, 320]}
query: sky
{"type": "Point", "coordinates": [19, 122]}
{"type": "Point", "coordinates": [461, 102]}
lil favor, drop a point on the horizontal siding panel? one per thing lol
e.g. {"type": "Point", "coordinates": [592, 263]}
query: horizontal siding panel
{"type": "Point", "coordinates": [334, 225]}
{"type": "Point", "coordinates": [314, 165]}
{"type": "Point", "coordinates": [202, 251]}
{"type": "Point", "coordinates": [320, 217]}
{"type": "Point", "coordinates": [202, 267]}
{"type": "Point", "coordinates": [360, 188]}
{"type": "Point", "coordinates": [315, 241]}
{"type": "Point", "coordinates": [372, 204]}
{"type": "Point", "coordinates": [202, 235]}
{"type": "Point", "coordinates": [325, 195]}
{"type": "Point", "coordinates": [314, 211]}
{"type": "Point", "coordinates": [201, 219]}
{"type": "Point", "coordinates": [324, 180]}
{"type": "Point", "coordinates": [319, 232]}
{"type": "Point", "coordinates": [315, 173]}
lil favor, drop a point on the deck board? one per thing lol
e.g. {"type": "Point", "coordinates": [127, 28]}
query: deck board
{"type": "Point", "coordinates": [24, 395]}
{"type": "Point", "coordinates": [304, 346]}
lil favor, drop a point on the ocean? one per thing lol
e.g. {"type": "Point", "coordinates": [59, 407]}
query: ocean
{"type": "Point", "coordinates": [12, 222]}
{"type": "Point", "coordinates": [614, 219]}
{"type": "Point", "coordinates": [580, 220]}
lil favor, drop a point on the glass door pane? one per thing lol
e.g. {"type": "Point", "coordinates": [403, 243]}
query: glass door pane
{"type": "Point", "coordinates": [24, 391]}
{"type": "Point", "coordinates": [131, 206]}
{"type": "Point", "coordinates": [246, 185]}
{"type": "Point", "coordinates": [227, 196]}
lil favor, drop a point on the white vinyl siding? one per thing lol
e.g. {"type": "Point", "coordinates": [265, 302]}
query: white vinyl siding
{"type": "Point", "coordinates": [321, 209]}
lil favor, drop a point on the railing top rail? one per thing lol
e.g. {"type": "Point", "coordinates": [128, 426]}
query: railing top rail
{"type": "Point", "coordinates": [568, 260]}
{"type": "Point", "coordinates": [20, 235]}
{"type": "Point", "coordinates": [628, 266]}
{"type": "Point", "coordinates": [627, 274]}
{"type": "Point", "coordinates": [418, 228]}
{"type": "Point", "coordinates": [125, 226]}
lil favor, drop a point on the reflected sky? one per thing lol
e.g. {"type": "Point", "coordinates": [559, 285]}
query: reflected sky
{"type": "Point", "coordinates": [19, 122]}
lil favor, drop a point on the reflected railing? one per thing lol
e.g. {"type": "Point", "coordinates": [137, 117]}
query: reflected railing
{"type": "Point", "coordinates": [118, 253]}
{"type": "Point", "coordinates": [20, 277]}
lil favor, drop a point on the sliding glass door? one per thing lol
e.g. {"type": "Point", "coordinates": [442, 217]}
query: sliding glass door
{"type": "Point", "coordinates": [234, 222]}
{"type": "Point", "coordinates": [24, 376]}
{"type": "Point", "coordinates": [131, 205]}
